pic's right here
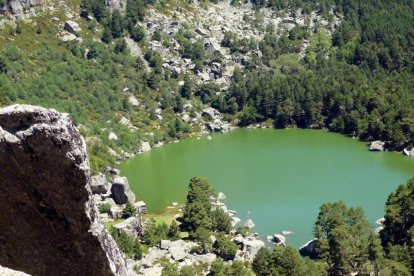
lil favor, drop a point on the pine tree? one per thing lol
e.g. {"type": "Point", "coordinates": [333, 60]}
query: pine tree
{"type": "Point", "coordinates": [129, 210]}
{"type": "Point", "coordinates": [174, 231]}
{"type": "Point", "coordinates": [187, 89]}
{"type": "Point", "coordinates": [107, 35]}
{"type": "Point", "coordinates": [116, 24]}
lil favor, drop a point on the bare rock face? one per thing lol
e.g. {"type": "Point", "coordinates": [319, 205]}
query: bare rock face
{"type": "Point", "coordinates": [48, 222]}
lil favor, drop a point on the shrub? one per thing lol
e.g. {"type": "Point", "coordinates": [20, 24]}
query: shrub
{"type": "Point", "coordinates": [105, 208]}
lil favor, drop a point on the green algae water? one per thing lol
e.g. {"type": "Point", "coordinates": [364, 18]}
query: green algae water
{"type": "Point", "coordinates": [278, 178]}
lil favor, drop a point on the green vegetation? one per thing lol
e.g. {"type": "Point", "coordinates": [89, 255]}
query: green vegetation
{"type": "Point", "coordinates": [285, 261]}
{"type": "Point", "coordinates": [347, 245]}
{"type": "Point", "coordinates": [86, 80]}
{"type": "Point", "coordinates": [359, 82]}
{"type": "Point", "coordinates": [129, 210]}
{"type": "Point", "coordinates": [225, 248]}
{"type": "Point", "coordinates": [131, 247]}
{"type": "Point", "coordinates": [199, 220]}
{"type": "Point", "coordinates": [219, 268]}
{"type": "Point", "coordinates": [105, 208]}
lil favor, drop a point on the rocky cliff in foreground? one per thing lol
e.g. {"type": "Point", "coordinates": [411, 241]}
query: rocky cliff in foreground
{"type": "Point", "coordinates": [48, 223]}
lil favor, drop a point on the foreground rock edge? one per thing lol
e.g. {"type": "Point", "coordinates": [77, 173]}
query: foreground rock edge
{"type": "Point", "coordinates": [45, 198]}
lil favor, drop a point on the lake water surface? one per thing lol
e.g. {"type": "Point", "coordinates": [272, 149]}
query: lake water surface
{"type": "Point", "coordinates": [278, 178]}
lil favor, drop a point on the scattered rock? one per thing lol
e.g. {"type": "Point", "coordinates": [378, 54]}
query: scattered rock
{"type": "Point", "coordinates": [141, 205]}
{"type": "Point", "coordinates": [133, 101]}
{"type": "Point", "coordinates": [151, 271]}
{"type": "Point", "coordinates": [124, 121]}
{"type": "Point", "coordinates": [408, 152]}
{"type": "Point", "coordinates": [113, 171]}
{"type": "Point", "coordinates": [279, 239]}
{"type": "Point", "coordinates": [144, 147]}
{"type": "Point", "coordinates": [72, 27]}
{"type": "Point", "coordinates": [112, 136]}
{"type": "Point", "coordinates": [66, 36]}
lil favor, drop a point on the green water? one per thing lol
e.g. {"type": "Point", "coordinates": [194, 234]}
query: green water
{"type": "Point", "coordinates": [278, 178]}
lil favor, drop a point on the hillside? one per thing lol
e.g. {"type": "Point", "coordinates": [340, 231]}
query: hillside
{"type": "Point", "coordinates": [150, 82]}
{"type": "Point", "coordinates": [137, 74]}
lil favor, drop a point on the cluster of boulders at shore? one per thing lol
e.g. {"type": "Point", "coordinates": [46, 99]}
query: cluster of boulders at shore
{"type": "Point", "coordinates": [382, 146]}
{"type": "Point", "coordinates": [114, 193]}
{"type": "Point", "coordinates": [187, 253]}
{"type": "Point", "coordinates": [209, 120]}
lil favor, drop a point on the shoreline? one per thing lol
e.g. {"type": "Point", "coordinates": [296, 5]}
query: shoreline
{"type": "Point", "coordinates": [207, 134]}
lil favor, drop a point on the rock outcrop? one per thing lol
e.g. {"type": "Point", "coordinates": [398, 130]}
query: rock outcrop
{"type": "Point", "coordinates": [120, 190]}
{"type": "Point", "coordinates": [48, 222]}
{"type": "Point", "coordinates": [99, 184]}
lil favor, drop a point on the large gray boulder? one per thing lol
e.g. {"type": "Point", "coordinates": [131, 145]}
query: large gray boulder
{"type": "Point", "coordinates": [376, 146]}
{"type": "Point", "coordinates": [120, 190]}
{"type": "Point", "coordinates": [178, 250]}
{"type": "Point", "coordinates": [252, 246]}
{"type": "Point", "coordinates": [153, 255]}
{"type": "Point", "coordinates": [211, 113]}
{"type": "Point", "coordinates": [128, 226]}
{"type": "Point", "coordinates": [309, 249]}
{"type": "Point", "coordinates": [72, 27]}
{"type": "Point", "coordinates": [208, 258]}
{"type": "Point", "coordinates": [99, 184]}
{"type": "Point", "coordinates": [49, 224]}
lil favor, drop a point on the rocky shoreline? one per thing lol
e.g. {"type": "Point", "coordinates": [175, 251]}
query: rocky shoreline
{"type": "Point", "coordinates": [182, 251]}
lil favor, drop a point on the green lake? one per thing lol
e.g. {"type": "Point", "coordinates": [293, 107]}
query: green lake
{"type": "Point", "coordinates": [278, 178]}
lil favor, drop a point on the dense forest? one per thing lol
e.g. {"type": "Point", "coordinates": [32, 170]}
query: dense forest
{"type": "Point", "coordinates": [358, 82]}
